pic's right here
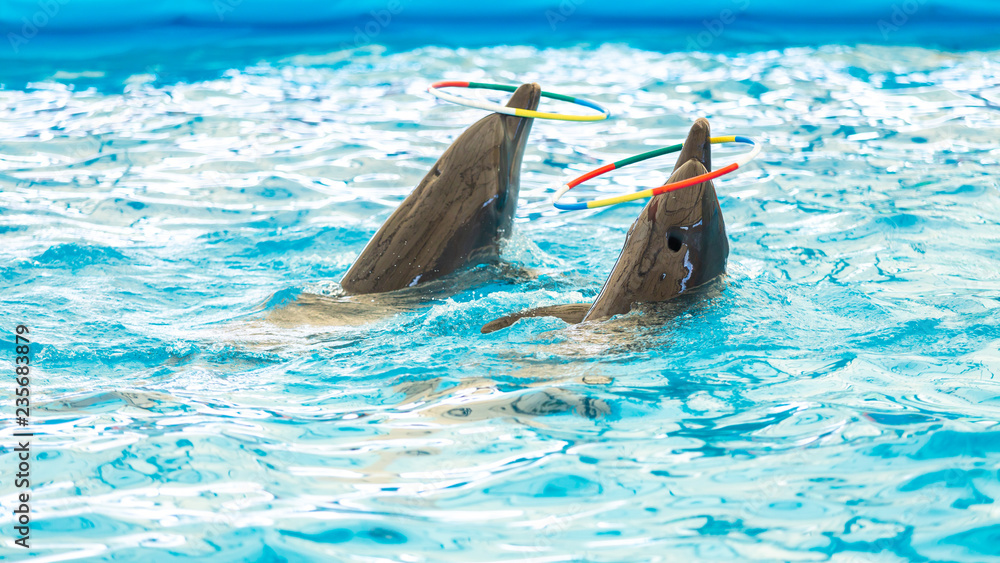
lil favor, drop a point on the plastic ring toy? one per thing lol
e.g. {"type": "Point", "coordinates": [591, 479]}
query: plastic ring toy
{"type": "Point", "coordinates": [519, 112]}
{"type": "Point", "coordinates": [742, 161]}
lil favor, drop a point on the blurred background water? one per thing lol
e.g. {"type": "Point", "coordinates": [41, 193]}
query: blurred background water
{"type": "Point", "coordinates": [834, 399]}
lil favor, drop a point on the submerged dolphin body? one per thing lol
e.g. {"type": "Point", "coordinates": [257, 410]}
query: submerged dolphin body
{"type": "Point", "coordinates": [459, 212]}
{"type": "Point", "coordinates": [677, 243]}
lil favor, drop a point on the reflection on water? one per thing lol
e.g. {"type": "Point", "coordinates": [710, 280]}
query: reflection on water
{"type": "Point", "coordinates": [833, 398]}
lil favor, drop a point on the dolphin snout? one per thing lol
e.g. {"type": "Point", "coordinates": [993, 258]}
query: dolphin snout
{"type": "Point", "coordinates": [698, 145]}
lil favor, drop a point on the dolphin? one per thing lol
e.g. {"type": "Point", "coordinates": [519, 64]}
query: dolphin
{"type": "Point", "coordinates": [458, 213]}
{"type": "Point", "coordinates": [676, 244]}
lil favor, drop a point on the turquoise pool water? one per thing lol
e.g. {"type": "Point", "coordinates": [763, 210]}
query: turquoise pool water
{"type": "Point", "coordinates": [835, 399]}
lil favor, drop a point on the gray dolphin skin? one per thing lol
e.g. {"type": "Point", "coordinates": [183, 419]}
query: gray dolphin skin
{"type": "Point", "coordinates": [458, 213]}
{"type": "Point", "coordinates": [677, 243]}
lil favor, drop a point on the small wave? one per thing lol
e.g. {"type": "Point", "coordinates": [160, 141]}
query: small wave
{"type": "Point", "coordinates": [73, 255]}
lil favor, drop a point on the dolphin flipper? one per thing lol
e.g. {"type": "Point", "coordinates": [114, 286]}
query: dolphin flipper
{"type": "Point", "coordinates": [572, 313]}
{"type": "Point", "coordinates": [458, 213]}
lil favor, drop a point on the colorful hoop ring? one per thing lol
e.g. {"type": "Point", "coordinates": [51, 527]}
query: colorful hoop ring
{"type": "Point", "coordinates": [498, 108]}
{"type": "Point", "coordinates": [742, 161]}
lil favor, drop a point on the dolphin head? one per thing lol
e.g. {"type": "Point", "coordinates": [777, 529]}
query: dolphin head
{"type": "Point", "coordinates": [677, 243]}
{"type": "Point", "coordinates": [515, 132]}
{"type": "Point", "coordinates": [692, 218]}
{"type": "Point", "coordinates": [458, 213]}
{"type": "Point", "coordinates": [481, 174]}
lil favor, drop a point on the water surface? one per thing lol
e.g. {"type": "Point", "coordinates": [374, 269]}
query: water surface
{"type": "Point", "coordinates": [834, 399]}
